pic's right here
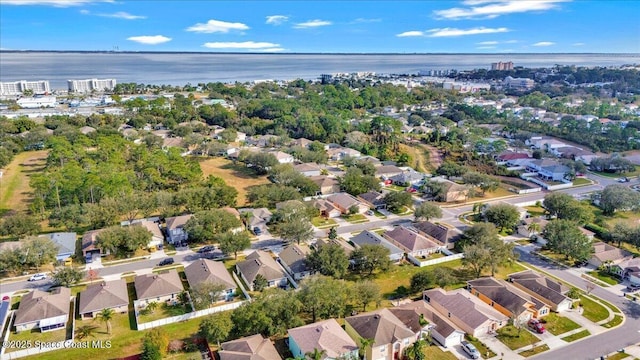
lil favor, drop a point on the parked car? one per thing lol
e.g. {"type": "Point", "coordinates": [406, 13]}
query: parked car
{"type": "Point", "coordinates": [206, 249]}
{"type": "Point", "coordinates": [623, 179]}
{"type": "Point", "coordinates": [370, 212]}
{"type": "Point", "coordinates": [167, 261]}
{"type": "Point", "coordinates": [633, 287]}
{"type": "Point", "coordinates": [257, 231]}
{"type": "Point", "coordinates": [536, 326]}
{"type": "Point", "coordinates": [470, 350]}
{"type": "Point", "coordinates": [38, 277]}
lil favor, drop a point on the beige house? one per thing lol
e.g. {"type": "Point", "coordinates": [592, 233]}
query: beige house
{"type": "Point", "coordinates": [507, 299]}
{"type": "Point", "coordinates": [261, 263]}
{"type": "Point", "coordinates": [605, 254]}
{"type": "Point", "coordinates": [327, 185]}
{"type": "Point", "coordinates": [157, 238]}
{"type": "Point", "coordinates": [158, 287]}
{"type": "Point", "coordinates": [453, 192]}
{"type": "Point", "coordinates": [253, 347]}
{"type": "Point", "coordinates": [468, 313]}
{"type": "Point", "coordinates": [43, 310]}
{"type": "Point", "coordinates": [327, 209]}
{"type": "Point", "coordinates": [327, 336]}
{"type": "Point", "coordinates": [411, 242]}
{"type": "Point", "coordinates": [390, 336]}
{"type": "Point", "coordinates": [104, 295]}
{"type": "Point", "coordinates": [344, 202]}
{"type": "Point", "coordinates": [549, 291]}
{"type": "Point", "coordinates": [293, 258]}
{"type": "Point", "coordinates": [423, 319]}
{"type": "Point", "coordinates": [211, 272]}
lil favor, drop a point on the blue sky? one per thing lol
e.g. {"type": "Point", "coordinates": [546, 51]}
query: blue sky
{"type": "Point", "coordinates": [468, 26]}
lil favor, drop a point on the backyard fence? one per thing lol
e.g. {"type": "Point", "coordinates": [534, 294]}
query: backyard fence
{"type": "Point", "coordinates": [423, 263]}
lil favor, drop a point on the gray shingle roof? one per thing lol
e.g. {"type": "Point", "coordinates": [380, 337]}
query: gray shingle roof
{"type": "Point", "coordinates": [370, 238]}
{"type": "Point", "coordinates": [411, 313]}
{"type": "Point", "coordinates": [410, 239]}
{"type": "Point", "coordinates": [259, 262]}
{"type": "Point", "coordinates": [156, 285]}
{"type": "Point", "coordinates": [294, 256]}
{"type": "Point", "coordinates": [209, 271]}
{"type": "Point", "coordinates": [38, 305]}
{"type": "Point", "coordinates": [504, 294]}
{"type": "Point", "coordinates": [381, 326]}
{"type": "Point", "coordinates": [324, 335]}
{"type": "Point", "coordinates": [103, 295]}
{"type": "Point", "coordinates": [65, 242]}
{"type": "Point", "coordinates": [461, 304]}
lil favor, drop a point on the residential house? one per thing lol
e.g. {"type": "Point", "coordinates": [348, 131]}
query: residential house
{"type": "Point", "coordinates": [549, 291]}
{"type": "Point", "coordinates": [589, 234]}
{"type": "Point", "coordinates": [452, 191]}
{"type": "Point", "coordinates": [411, 242]}
{"type": "Point", "coordinates": [90, 243]}
{"type": "Point", "coordinates": [548, 169]}
{"type": "Point", "coordinates": [205, 271]}
{"type": "Point", "coordinates": [325, 336]}
{"type": "Point", "coordinates": [438, 233]}
{"type": "Point", "coordinates": [253, 347]}
{"type": "Point", "coordinates": [327, 185]}
{"type": "Point", "coordinates": [104, 295]}
{"type": "Point", "coordinates": [511, 155]}
{"type": "Point", "coordinates": [346, 247]}
{"type": "Point", "coordinates": [407, 178]}
{"type": "Point", "coordinates": [175, 228]}
{"type": "Point", "coordinates": [467, 312]}
{"type": "Point", "coordinates": [628, 270]}
{"type": "Point", "coordinates": [508, 300]}
{"type": "Point", "coordinates": [345, 202]}
{"type": "Point", "coordinates": [44, 310]}
{"type": "Point", "coordinates": [326, 208]}
{"type": "Point", "coordinates": [236, 214]}
{"type": "Point", "coordinates": [265, 141]}
{"type": "Point", "coordinates": [373, 199]}
{"type": "Point", "coordinates": [158, 287]}
{"type": "Point", "coordinates": [340, 153]}
{"type": "Point", "coordinates": [157, 238]}
{"type": "Point", "coordinates": [259, 218]}
{"type": "Point", "coordinates": [574, 153]}
{"type": "Point", "coordinates": [370, 238]}
{"type": "Point", "coordinates": [301, 142]}
{"type": "Point", "coordinates": [423, 319]}
{"type": "Point", "coordinates": [293, 259]}
{"type": "Point", "coordinates": [607, 255]}
{"type": "Point", "coordinates": [369, 159]}
{"type": "Point", "coordinates": [390, 336]}
{"type": "Point", "coordinates": [65, 242]}
{"type": "Point", "coordinates": [261, 263]}
{"type": "Point", "coordinates": [387, 171]}
{"type": "Point", "coordinates": [308, 169]}
{"type": "Point", "coordinates": [527, 229]}
{"type": "Point", "coordinates": [282, 157]}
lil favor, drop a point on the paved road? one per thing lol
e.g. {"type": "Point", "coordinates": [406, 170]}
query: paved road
{"type": "Point", "coordinates": [592, 347]}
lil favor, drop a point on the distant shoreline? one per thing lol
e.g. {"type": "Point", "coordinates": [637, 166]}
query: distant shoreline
{"type": "Point", "coordinates": [299, 53]}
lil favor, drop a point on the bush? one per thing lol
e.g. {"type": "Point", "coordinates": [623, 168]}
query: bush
{"type": "Point", "coordinates": [600, 231]}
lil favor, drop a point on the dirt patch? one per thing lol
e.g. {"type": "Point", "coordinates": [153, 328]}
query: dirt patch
{"type": "Point", "coordinates": [236, 175]}
{"type": "Point", "coordinates": [15, 192]}
{"type": "Point", "coordinates": [435, 156]}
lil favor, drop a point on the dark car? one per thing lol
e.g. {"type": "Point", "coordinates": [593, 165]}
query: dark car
{"type": "Point", "coordinates": [536, 326]}
{"type": "Point", "coordinates": [206, 249]}
{"type": "Point", "coordinates": [167, 261]}
{"type": "Point", "coordinates": [257, 231]}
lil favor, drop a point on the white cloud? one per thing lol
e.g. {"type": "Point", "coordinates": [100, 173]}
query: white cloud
{"type": "Point", "coordinates": [123, 15]}
{"type": "Point", "coordinates": [277, 19]}
{"type": "Point", "coordinates": [150, 39]}
{"type": "Point", "coordinates": [364, 21]}
{"type": "Point", "coordinates": [449, 32]}
{"type": "Point", "coordinates": [411, 33]}
{"type": "Point", "coordinates": [312, 24]}
{"type": "Point", "coordinates": [544, 43]}
{"type": "Point", "coordinates": [56, 3]}
{"type": "Point", "coordinates": [578, 44]}
{"type": "Point", "coordinates": [488, 9]}
{"type": "Point", "coordinates": [487, 43]}
{"type": "Point", "coordinates": [241, 45]}
{"type": "Point", "coordinates": [213, 26]}
{"type": "Point", "coordinates": [84, 12]}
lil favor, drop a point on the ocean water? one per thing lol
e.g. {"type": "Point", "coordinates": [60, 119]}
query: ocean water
{"type": "Point", "coordinates": [183, 68]}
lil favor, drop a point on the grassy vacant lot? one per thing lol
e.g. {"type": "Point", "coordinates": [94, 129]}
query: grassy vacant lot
{"type": "Point", "coordinates": [516, 339]}
{"type": "Point", "coordinates": [557, 324]}
{"type": "Point", "coordinates": [420, 157]}
{"type": "Point", "coordinates": [535, 350]}
{"type": "Point", "coordinates": [15, 192]}
{"type": "Point", "coordinates": [236, 175]}
{"type": "Point", "coordinates": [592, 310]}
{"type": "Point", "coordinates": [576, 336]}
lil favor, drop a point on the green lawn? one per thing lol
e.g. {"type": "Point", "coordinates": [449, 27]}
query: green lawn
{"type": "Point", "coordinates": [34, 336]}
{"type": "Point", "coordinates": [618, 356]}
{"type": "Point", "coordinates": [617, 320]}
{"type": "Point", "coordinates": [321, 222]}
{"type": "Point", "coordinates": [618, 175]}
{"type": "Point", "coordinates": [557, 324]}
{"type": "Point", "coordinates": [581, 181]}
{"type": "Point", "coordinates": [355, 218]}
{"type": "Point", "coordinates": [604, 277]}
{"type": "Point", "coordinates": [593, 310]}
{"type": "Point", "coordinates": [510, 337]}
{"type": "Point", "coordinates": [535, 210]}
{"type": "Point", "coordinates": [163, 311]}
{"type": "Point", "coordinates": [434, 353]}
{"type": "Point", "coordinates": [484, 351]}
{"type": "Point", "coordinates": [535, 350]}
{"type": "Point", "coordinates": [576, 336]}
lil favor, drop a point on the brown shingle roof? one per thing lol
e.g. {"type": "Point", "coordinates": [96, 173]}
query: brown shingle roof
{"type": "Point", "coordinates": [294, 256]}
{"type": "Point", "coordinates": [253, 347]}
{"type": "Point", "coordinates": [381, 326]}
{"type": "Point", "coordinates": [504, 294]}
{"type": "Point", "coordinates": [410, 239]}
{"type": "Point", "coordinates": [440, 233]}
{"type": "Point", "coordinates": [343, 200]}
{"type": "Point", "coordinates": [156, 285]}
{"type": "Point", "coordinates": [259, 262]}
{"type": "Point", "coordinates": [177, 221]}
{"type": "Point", "coordinates": [152, 227]}
{"type": "Point", "coordinates": [463, 306]}
{"type": "Point", "coordinates": [548, 289]}
{"type": "Point", "coordinates": [103, 295]}
{"type": "Point", "coordinates": [38, 305]}
{"type": "Point", "coordinates": [410, 314]}
{"type": "Point", "coordinates": [324, 335]}
{"type": "Point", "coordinates": [205, 270]}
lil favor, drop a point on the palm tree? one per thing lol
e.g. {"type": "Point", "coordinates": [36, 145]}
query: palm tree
{"type": "Point", "coordinates": [106, 315]}
{"type": "Point", "coordinates": [152, 306]}
{"type": "Point", "coordinates": [416, 351]}
{"type": "Point", "coordinates": [315, 354]}
{"type": "Point", "coordinates": [534, 228]}
{"type": "Point", "coordinates": [364, 344]}
{"type": "Point", "coordinates": [85, 331]}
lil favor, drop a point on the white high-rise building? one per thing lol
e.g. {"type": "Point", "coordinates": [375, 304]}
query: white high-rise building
{"type": "Point", "coordinates": [18, 87]}
{"type": "Point", "coordinates": [89, 85]}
